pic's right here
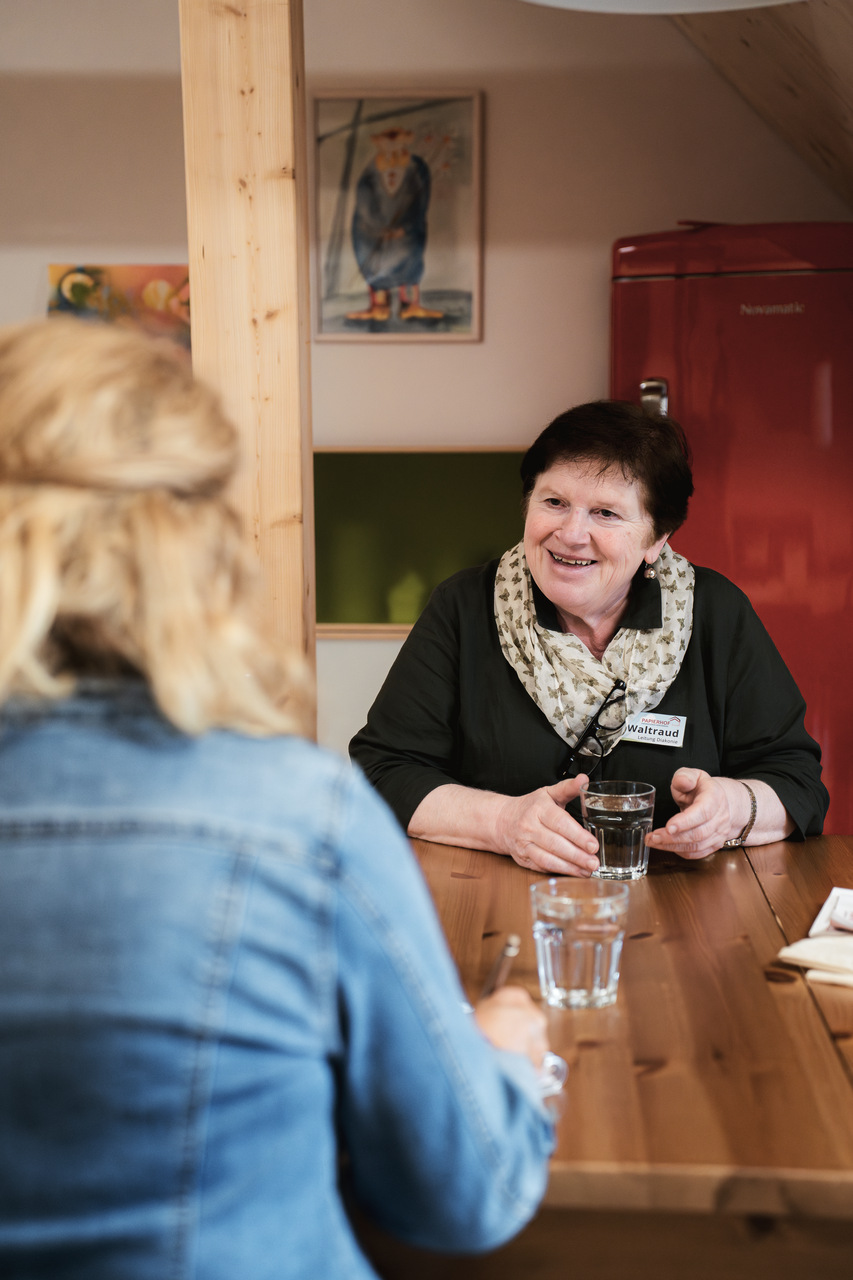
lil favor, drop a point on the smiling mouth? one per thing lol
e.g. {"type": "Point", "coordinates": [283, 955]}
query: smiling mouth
{"type": "Point", "coordinates": [574, 564]}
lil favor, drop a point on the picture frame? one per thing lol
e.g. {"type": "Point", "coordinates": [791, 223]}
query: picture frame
{"type": "Point", "coordinates": [397, 215]}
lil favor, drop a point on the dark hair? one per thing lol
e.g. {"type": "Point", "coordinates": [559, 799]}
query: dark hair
{"type": "Point", "coordinates": [615, 434]}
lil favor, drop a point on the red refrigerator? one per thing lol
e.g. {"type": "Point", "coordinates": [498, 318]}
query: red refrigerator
{"type": "Point", "coordinates": [745, 335]}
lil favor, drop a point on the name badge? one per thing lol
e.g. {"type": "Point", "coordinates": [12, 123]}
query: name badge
{"type": "Point", "coordinates": [649, 726]}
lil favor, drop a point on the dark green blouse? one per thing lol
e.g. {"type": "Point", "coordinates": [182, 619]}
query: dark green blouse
{"type": "Point", "coordinates": [452, 709]}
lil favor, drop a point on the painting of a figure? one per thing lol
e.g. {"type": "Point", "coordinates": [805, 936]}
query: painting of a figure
{"type": "Point", "coordinates": [397, 207]}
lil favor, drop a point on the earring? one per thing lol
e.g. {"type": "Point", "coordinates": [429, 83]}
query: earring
{"type": "Point", "coordinates": [649, 571]}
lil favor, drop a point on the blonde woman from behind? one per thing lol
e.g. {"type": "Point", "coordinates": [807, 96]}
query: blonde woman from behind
{"type": "Point", "coordinates": [219, 966]}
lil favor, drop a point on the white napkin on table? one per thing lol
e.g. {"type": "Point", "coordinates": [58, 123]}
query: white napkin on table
{"type": "Point", "coordinates": [827, 953]}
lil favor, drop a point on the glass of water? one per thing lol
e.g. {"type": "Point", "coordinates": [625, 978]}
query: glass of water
{"type": "Point", "coordinates": [619, 815]}
{"type": "Point", "coordinates": [578, 928]}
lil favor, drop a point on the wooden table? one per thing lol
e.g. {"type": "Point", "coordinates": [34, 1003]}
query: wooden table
{"type": "Point", "coordinates": [706, 1129]}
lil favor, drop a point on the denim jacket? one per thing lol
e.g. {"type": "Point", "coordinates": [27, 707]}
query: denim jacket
{"type": "Point", "coordinates": [219, 968]}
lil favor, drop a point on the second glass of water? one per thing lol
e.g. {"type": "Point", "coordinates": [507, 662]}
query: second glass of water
{"type": "Point", "coordinates": [578, 928]}
{"type": "Point", "coordinates": [619, 815]}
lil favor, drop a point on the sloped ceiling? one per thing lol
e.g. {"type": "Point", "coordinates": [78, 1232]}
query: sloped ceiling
{"type": "Point", "coordinates": [794, 64]}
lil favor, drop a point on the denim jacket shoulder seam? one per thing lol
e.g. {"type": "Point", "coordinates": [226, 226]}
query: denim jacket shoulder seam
{"type": "Point", "coordinates": [19, 826]}
{"type": "Point", "coordinates": [328, 841]}
{"type": "Point", "coordinates": [215, 987]}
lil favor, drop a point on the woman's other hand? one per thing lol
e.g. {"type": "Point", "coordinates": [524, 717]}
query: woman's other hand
{"type": "Point", "coordinates": [710, 809]}
{"type": "Point", "coordinates": [538, 833]}
{"type": "Point", "coordinates": [714, 810]}
{"type": "Point", "coordinates": [511, 1020]}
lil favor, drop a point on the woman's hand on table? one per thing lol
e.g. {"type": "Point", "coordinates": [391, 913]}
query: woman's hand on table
{"type": "Point", "coordinates": [511, 1020]}
{"type": "Point", "coordinates": [537, 832]}
{"type": "Point", "coordinates": [708, 814]}
{"type": "Point", "coordinates": [534, 829]}
{"type": "Point", "coordinates": [714, 810]}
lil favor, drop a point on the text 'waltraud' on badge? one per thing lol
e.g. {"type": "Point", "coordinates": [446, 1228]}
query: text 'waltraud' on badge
{"type": "Point", "coordinates": [660, 730]}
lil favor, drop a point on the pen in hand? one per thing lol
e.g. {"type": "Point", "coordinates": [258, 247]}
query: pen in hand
{"type": "Point", "coordinates": [500, 969]}
{"type": "Point", "coordinates": [552, 1070]}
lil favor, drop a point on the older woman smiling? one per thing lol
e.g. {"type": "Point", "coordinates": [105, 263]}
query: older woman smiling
{"type": "Point", "coordinates": [593, 617]}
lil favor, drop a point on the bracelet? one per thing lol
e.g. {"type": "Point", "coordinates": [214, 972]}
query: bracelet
{"type": "Point", "coordinates": [753, 810]}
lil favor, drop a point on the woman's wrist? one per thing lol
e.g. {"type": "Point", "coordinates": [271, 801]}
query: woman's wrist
{"type": "Point", "coordinates": [735, 841]}
{"type": "Point", "coordinates": [772, 820]}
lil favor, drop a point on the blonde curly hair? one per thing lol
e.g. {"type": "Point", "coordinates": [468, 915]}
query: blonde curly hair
{"type": "Point", "coordinates": [118, 547]}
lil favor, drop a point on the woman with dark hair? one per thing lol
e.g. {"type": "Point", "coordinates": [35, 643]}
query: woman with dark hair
{"type": "Point", "coordinates": [529, 674]}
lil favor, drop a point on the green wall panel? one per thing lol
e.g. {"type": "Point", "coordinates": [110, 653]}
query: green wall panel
{"type": "Point", "coordinates": [391, 526]}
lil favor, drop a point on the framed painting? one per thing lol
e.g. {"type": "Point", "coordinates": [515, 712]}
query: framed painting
{"type": "Point", "coordinates": [154, 298]}
{"type": "Point", "coordinates": [397, 217]}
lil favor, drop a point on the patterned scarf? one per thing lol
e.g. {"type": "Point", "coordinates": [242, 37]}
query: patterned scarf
{"type": "Point", "coordinates": [563, 678]}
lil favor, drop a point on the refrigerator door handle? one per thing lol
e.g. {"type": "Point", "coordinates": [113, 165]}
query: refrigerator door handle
{"type": "Point", "coordinates": [654, 395]}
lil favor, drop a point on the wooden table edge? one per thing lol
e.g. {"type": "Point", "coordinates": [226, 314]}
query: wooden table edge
{"type": "Point", "coordinates": [722, 1189]}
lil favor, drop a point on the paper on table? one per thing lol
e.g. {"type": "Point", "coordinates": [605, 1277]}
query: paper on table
{"type": "Point", "coordinates": [827, 953]}
{"type": "Point", "coordinates": [830, 977]}
{"type": "Point", "coordinates": [832, 953]}
{"type": "Point", "coordinates": [836, 914]}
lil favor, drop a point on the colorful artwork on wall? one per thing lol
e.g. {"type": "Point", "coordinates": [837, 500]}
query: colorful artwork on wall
{"type": "Point", "coordinates": [154, 298]}
{"type": "Point", "coordinates": [397, 217]}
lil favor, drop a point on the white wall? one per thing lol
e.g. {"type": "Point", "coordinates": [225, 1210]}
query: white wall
{"type": "Point", "coordinates": [91, 141]}
{"type": "Point", "coordinates": [349, 673]}
{"type": "Point", "coordinates": [597, 126]}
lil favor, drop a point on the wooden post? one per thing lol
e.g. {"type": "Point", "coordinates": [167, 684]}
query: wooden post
{"type": "Point", "coordinates": [244, 135]}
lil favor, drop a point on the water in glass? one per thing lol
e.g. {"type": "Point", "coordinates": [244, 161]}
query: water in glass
{"type": "Point", "coordinates": [578, 930]}
{"type": "Point", "coordinates": [620, 816]}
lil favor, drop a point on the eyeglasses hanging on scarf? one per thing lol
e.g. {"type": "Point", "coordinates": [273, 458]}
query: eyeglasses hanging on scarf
{"type": "Point", "coordinates": [593, 740]}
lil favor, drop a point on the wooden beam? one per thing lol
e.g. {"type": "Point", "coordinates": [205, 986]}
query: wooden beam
{"type": "Point", "coordinates": [794, 64]}
{"type": "Point", "coordinates": [244, 133]}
